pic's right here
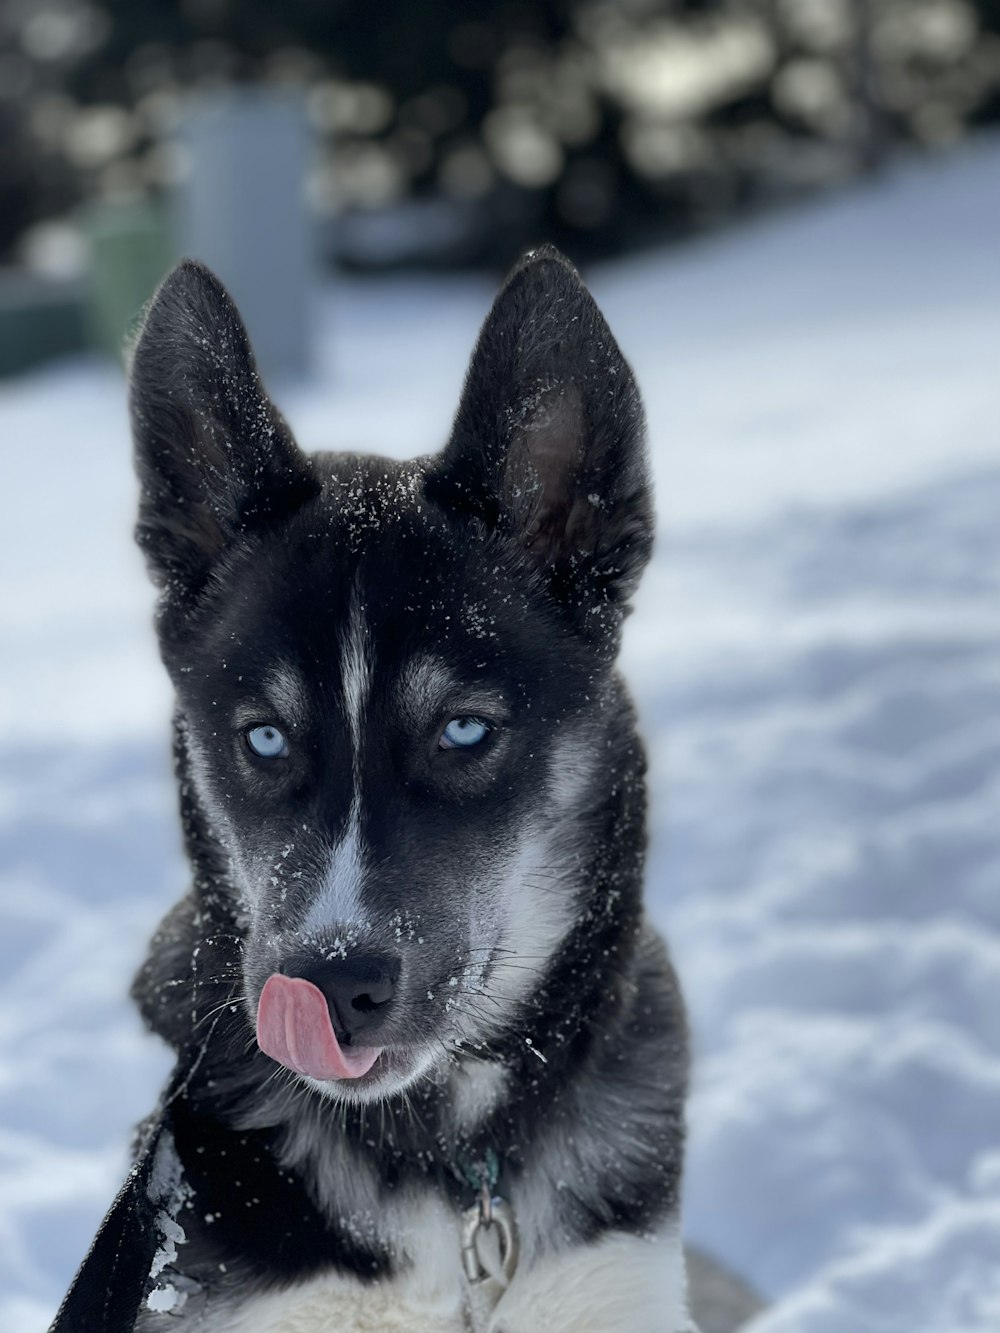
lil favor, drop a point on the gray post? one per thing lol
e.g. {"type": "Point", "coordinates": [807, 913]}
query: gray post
{"type": "Point", "coordinates": [241, 209]}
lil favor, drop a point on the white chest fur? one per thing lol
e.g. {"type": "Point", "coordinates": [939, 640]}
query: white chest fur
{"type": "Point", "coordinates": [621, 1284]}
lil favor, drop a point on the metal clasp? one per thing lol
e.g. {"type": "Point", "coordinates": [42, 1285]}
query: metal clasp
{"type": "Point", "coordinates": [488, 1213]}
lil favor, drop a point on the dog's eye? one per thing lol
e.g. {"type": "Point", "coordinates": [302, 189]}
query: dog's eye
{"type": "Point", "coordinates": [462, 733]}
{"type": "Point", "coordinates": [267, 742]}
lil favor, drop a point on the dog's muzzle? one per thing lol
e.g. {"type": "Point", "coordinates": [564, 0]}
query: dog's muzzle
{"type": "Point", "coordinates": [320, 1021]}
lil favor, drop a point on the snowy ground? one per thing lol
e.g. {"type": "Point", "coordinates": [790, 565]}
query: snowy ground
{"type": "Point", "coordinates": [817, 659]}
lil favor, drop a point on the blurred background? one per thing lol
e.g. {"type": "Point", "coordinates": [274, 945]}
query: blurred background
{"type": "Point", "coordinates": [790, 212]}
{"type": "Point", "coordinates": [442, 135]}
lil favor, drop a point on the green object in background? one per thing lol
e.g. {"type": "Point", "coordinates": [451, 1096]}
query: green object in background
{"type": "Point", "coordinates": [39, 318]}
{"type": "Point", "coordinates": [130, 251]}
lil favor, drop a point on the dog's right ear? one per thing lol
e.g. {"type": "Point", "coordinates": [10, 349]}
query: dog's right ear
{"type": "Point", "coordinates": [214, 457]}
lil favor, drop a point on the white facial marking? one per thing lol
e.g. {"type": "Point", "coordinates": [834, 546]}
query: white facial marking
{"type": "Point", "coordinates": [423, 684]}
{"type": "Point", "coordinates": [285, 690]}
{"type": "Point", "coordinates": [536, 890]}
{"type": "Point", "coordinates": [356, 673]}
{"type": "Point", "coordinates": [338, 901]}
{"type": "Point", "coordinates": [537, 902]}
{"type": "Point", "coordinates": [427, 686]}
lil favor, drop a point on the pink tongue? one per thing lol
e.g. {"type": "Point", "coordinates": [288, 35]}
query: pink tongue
{"type": "Point", "coordinates": [294, 1028]}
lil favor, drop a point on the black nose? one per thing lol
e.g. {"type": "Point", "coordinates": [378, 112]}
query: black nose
{"type": "Point", "coordinates": [358, 990]}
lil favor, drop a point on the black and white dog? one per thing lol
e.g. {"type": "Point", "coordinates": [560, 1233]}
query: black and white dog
{"type": "Point", "coordinates": [437, 1055]}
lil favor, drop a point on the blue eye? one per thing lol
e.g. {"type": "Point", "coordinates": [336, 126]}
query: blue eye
{"type": "Point", "coordinates": [267, 742]}
{"type": "Point", "coordinates": [462, 733]}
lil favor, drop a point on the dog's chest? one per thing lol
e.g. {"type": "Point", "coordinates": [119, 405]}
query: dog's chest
{"type": "Point", "coordinates": [618, 1284]}
{"type": "Point", "coordinates": [427, 1293]}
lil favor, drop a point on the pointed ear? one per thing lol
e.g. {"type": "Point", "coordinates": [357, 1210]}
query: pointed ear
{"type": "Point", "coordinates": [548, 447]}
{"type": "Point", "coordinates": [214, 457]}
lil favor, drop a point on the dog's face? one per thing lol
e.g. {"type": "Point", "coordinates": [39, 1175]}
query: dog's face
{"type": "Point", "coordinates": [394, 681]}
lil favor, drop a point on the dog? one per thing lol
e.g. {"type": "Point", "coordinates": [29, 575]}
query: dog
{"type": "Point", "coordinates": [436, 1055]}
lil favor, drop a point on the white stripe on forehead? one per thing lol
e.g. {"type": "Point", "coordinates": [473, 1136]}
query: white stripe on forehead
{"type": "Point", "coordinates": [356, 673]}
{"type": "Point", "coordinates": [338, 902]}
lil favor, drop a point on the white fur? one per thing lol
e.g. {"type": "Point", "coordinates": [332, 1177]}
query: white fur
{"type": "Point", "coordinates": [338, 901]}
{"type": "Point", "coordinates": [537, 891]}
{"type": "Point", "coordinates": [574, 760]}
{"type": "Point", "coordinates": [427, 1296]}
{"type": "Point", "coordinates": [345, 1090]}
{"type": "Point", "coordinates": [620, 1284]}
{"type": "Point", "coordinates": [424, 683]}
{"type": "Point", "coordinates": [476, 1087]}
{"type": "Point", "coordinates": [286, 691]}
{"type": "Point", "coordinates": [356, 672]}
{"type": "Point", "coordinates": [538, 907]}
{"type": "Point", "coordinates": [429, 688]}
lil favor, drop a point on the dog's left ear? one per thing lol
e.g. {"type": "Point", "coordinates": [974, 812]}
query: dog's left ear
{"type": "Point", "coordinates": [548, 446]}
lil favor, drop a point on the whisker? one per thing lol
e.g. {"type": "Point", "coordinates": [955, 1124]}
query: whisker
{"type": "Point", "coordinates": [224, 1004]}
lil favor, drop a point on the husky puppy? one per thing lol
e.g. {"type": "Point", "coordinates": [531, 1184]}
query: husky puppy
{"type": "Point", "coordinates": [437, 1055]}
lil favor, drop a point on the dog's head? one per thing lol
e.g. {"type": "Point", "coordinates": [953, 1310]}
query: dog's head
{"type": "Point", "coordinates": [395, 681]}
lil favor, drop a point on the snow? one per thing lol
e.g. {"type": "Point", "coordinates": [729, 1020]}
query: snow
{"type": "Point", "coordinates": [167, 1188]}
{"type": "Point", "coordinates": [816, 655]}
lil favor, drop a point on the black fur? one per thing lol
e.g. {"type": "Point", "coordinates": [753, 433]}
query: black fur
{"type": "Point", "coordinates": [511, 556]}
